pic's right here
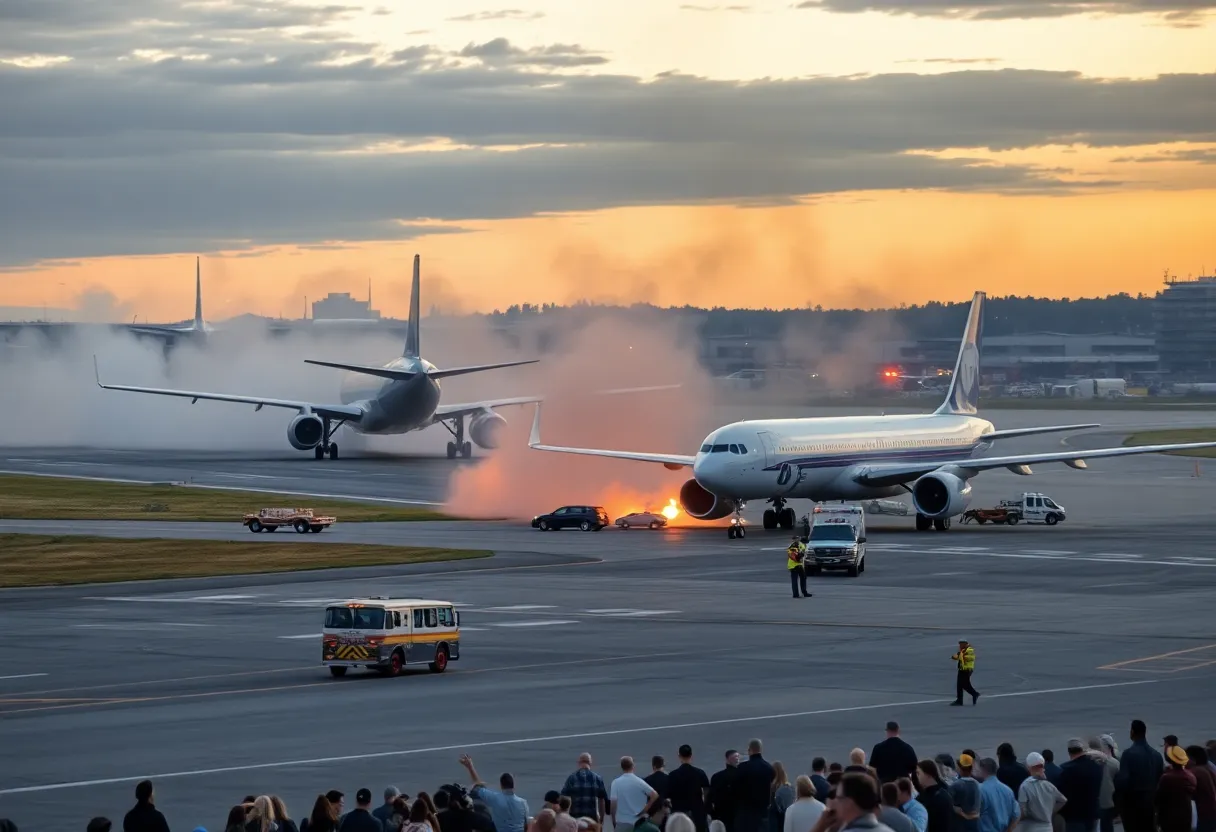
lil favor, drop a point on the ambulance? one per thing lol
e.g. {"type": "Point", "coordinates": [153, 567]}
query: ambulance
{"type": "Point", "coordinates": [837, 539]}
{"type": "Point", "coordinates": [389, 634]}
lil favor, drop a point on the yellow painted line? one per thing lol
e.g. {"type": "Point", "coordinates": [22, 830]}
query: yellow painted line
{"type": "Point", "coordinates": [1159, 657]}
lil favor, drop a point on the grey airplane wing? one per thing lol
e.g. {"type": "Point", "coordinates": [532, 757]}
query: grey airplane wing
{"type": "Point", "coordinates": [348, 412]}
{"type": "Point", "coordinates": [881, 474]}
{"type": "Point", "coordinates": [673, 462]}
{"type": "Point", "coordinates": [451, 411]}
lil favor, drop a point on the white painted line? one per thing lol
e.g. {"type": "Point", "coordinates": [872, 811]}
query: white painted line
{"type": "Point", "coordinates": [1082, 558]}
{"type": "Point", "coordinates": [1045, 552]}
{"type": "Point", "coordinates": [611, 610]}
{"type": "Point", "coordinates": [963, 549]}
{"type": "Point", "coordinates": [1117, 555]}
{"type": "Point", "coordinates": [221, 597]}
{"type": "Point", "coordinates": [1191, 557]}
{"type": "Point", "coordinates": [1121, 583]}
{"type": "Point", "coordinates": [520, 607]}
{"type": "Point", "coordinates": [549, 623]}
{"type": "Point", "coordinates": [640, 613]}
{"type": "Point", "coordinates": [247, 476]}
{"type": "Point", "coordinates": [465, 629]}
{"type": "Point", "coordinates": [947, 574]}
{"type": "Point", "coordinates": [317, 602]}
{"type": "Point", "coordinates": [615, 732]}
{"type": "Point", "coordinates": [305, 635]}
{"type": "Point", "coordinates": [24, 676]}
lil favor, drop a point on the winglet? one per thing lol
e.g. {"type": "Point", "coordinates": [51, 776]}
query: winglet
{"type": "Point", "coordinates": [97, 372]}
{"type": "Point", "coordinates": [964, 394]}
{"type": "Point", "coordinates": [412, 345]}
{"type": "Point", "coordinates": [534, 437]}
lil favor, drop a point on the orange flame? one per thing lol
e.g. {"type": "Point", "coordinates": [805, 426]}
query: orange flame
{"type": "Point", "coordinates": [671, 510]}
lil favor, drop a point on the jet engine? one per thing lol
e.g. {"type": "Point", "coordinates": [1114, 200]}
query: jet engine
{"type": "Point", "coordinates": [941, 494]}
{"type": "Point", "coordinates": [305, 432]}
{"type": "Point", "coordinates": [703, 505]}
{"type": "Point", "coordinates": [484, 429]}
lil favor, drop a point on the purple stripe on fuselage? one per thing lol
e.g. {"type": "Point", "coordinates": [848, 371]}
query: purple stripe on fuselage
{"type": "Point", "coordinates": [845, 460]}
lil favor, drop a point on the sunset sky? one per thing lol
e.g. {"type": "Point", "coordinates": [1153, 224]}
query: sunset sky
{"type": "Point", "coordinates": [784, 153]}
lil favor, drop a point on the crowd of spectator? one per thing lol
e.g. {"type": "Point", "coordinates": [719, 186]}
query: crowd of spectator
{"type": "Point", "coordinates": [895, 790]}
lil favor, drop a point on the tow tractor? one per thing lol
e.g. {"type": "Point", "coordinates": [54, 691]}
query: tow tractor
{"type": "Point", "coordinates": [303, 520]}
{"type": "Point", "coordinates": [1031, 507]}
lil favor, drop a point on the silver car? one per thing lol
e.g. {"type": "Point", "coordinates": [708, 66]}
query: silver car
{"type": "Point", "coordinates": [642, 519]}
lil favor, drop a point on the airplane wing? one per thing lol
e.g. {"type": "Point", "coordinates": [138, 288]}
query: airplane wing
{"type": "Point", "coordinates": [477, 368]}
{"type": "Point", "coordinates": [880, 474]}
{"type": "Point", "coordinates": [381, 372]}
{"type": "Point", "coordinates": [673, 462]}
{"type": "Point", "coordinates": [449, 411]}
{"type": "Point", "coordinates": [350, 413]}
{"type": "Point", "coordinates": [1016, 432]}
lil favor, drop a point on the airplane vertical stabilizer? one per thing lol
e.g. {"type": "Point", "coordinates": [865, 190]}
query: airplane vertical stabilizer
{"type": "Point", "coordinates": [411, 334]}
{"type": "Point", "coordinates": [198, 294]}
{"type": "Point", "coordinates": [964, 394]}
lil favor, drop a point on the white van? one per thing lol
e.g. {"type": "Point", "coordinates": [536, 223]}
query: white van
{"type": "Point", "coordinates": [390, 633]}
{"type": "Point", "coordinates": [837, 539]}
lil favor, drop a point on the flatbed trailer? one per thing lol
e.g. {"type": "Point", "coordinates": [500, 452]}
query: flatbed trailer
{"type": "Point", "coordinates": [1001, 514]}
{"type": "Point", "coordinates": [303, 520]}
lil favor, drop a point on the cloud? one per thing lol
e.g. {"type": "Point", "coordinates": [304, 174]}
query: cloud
{"type": "Point", "coordinates": [692, 7]}
{"type": "Point", "coordinates": [500, 52]}
{"type": "Point", "coordinates": [1181, 11]}
{"type": "Point", "coordinates": [241, 124]}
{"type": "Point", "coordinates": [500, 14]}
{"type": "Point", "coordinates": [959, 61]}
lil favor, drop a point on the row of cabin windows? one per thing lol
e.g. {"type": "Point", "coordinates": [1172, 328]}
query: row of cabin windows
{"type": "Point", "coordinates": [373, 618]}
{"type": "Point", "coordinates": [722, 449]}
{"type": "Point", "coordinates": [880, 444]}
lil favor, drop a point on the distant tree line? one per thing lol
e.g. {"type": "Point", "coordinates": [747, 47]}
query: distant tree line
{"type": "Point", "coordinates": [1116, 314]}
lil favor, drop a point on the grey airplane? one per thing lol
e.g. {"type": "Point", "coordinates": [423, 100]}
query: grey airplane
{"type": "Point", "coordinates": [197, 328]}
{"type": "Point", "coordinates": [399, 397]}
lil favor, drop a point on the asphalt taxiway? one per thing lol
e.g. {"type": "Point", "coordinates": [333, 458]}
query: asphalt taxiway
{"type": "Point", "coordinates": [613, 642]}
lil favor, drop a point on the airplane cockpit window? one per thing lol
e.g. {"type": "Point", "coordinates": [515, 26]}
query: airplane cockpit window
{"type": "Point", "coordinates": [742, 448]}
{"type": "Point", "coordinates": [734, 449]}
{"type": "Point", "coordinates": [719, 449]}
{"type": "Point", "coordinates": [706, 448]}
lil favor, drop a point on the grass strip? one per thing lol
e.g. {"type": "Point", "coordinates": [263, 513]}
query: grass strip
{"type": "Point", "coordinates": [57, 560]}
{"type": "Point", "coordinates": [1180, 436]}
{"type": "Point", "coordinates": [58, 498]}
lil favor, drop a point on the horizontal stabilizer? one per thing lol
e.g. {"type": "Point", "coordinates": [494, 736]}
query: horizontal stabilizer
{"type": "Point", "coordinates": [1016, 432]}
{"type": "Point", "coordinates": [382, 372]}
{"type": "Point", "coordinates": [673, 462]}
{"type": "Point", "coordinates": [478, 368]}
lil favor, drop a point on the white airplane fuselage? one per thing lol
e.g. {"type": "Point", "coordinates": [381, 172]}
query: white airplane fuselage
{"type": "Point", "coordinates": [393, 406]}
{"type": "Point", "coordinates": [814, 458]}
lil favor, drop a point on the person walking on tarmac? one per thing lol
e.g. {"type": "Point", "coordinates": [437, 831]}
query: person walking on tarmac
{"type": "Point", "coordinates": [795, 562]}
{"type": "Point", "coordinates": [965, 659]}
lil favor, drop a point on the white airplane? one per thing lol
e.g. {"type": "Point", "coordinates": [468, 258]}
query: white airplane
{"type": "Point", "coordinates": [197, 328]}
{"type": "Point", "coordinates": [400, 397]}
{"type": "Point", "coordinates": [931, 456]}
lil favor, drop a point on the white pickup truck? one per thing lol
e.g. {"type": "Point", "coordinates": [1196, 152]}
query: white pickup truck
{"type": "Point", "coordinates": [1031, 507]}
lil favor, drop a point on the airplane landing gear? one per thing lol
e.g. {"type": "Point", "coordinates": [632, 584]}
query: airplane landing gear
{"type": "Point", "coordinates": [460, 446]}
{"type": "Point", "coordinates": [779, 516]}
{"type": "Point", "coordinates": [737, 530]}
{"type": "Point", "coordinates": [325, 446]}
{"type": "Point", "coordinates": [923, 523]}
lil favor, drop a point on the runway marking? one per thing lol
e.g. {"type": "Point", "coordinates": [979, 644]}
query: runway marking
{"type": "Point", "coordinates": [408, 752]}
{"type": "Point", "coordinates": [24, 676]}
{"type": "Point", "coordinates": [519, 607]}
{"type": "Point", "coordinates": [1165, 659]}
{"type": "Point", "coordinates": [546, 623]}
{"type": "Point", "coordinates": [633, 613]}
{"type": "Point", "coordinates": [151, 627]}
{"type": "Point", "coordinates": [1046, 552]}
{"type": "Point", "coordinates": [1083, 558]}
{"type": "Point", "coordinates": [1117, 555]}
{"type": "Point", "coordinates": [305, 635]}
{"type": "Point", "coordinates": [221, 597]}
{"type": "Point", "coordinates": [246, 476]}
{"type": "Point", "coordinates": [1120, 583]}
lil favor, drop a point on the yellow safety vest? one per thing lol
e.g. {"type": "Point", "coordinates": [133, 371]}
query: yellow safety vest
{"type": "Point", "coordinates": [965, 659]}
{"type": "Point", "coordinates": [791, 552]}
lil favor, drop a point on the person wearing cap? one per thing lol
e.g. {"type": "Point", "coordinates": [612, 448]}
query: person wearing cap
{"type": "Point", "coordinates": [1106, 797]}
{"type": "Point", "coordinates": [1081, 784]}
{"type": "Point", "coordinates": [968, 801]}
{"type": "Point", "coordinates": [795, 562]}
{"type": "Point", "coordinates": [361, 819]}
{"type": "Point", "coordinates": [965, 661]}
{"type": "Point", "coordinates": [1038, 800]}
{"type": "Point", "coordinates": [1140, 768]}
{"type": "Point", "coordinates": [1175, 791]}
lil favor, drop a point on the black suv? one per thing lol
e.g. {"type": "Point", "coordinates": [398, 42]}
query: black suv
{"type": "Point", "coordinates": [587, 518]}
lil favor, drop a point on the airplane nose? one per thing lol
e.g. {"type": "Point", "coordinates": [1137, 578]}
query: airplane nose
{"type": "Point", "coordinates": [708, 473]}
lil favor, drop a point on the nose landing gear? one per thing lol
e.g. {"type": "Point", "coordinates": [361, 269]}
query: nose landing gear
{"type": "Point", "coordinates": [736, 528]}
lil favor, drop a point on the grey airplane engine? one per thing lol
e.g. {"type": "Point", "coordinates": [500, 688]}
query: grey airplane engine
{"type": "Point", "coordinates": [941, 494]}
{"type": "Point", "coordinates": [485, 429]}
{"type": "Point", "coordinates": [305, 432]}
{"type": "Point", "coordinates": [703, 505]}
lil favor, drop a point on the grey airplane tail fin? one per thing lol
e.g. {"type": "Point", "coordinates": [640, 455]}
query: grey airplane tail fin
{"type": "Point", "coordinates": [198, 294]}
{"type": "Point", "coordinates": [964, 394]}
{"type": "Point", "coordinates": [411, 335]}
